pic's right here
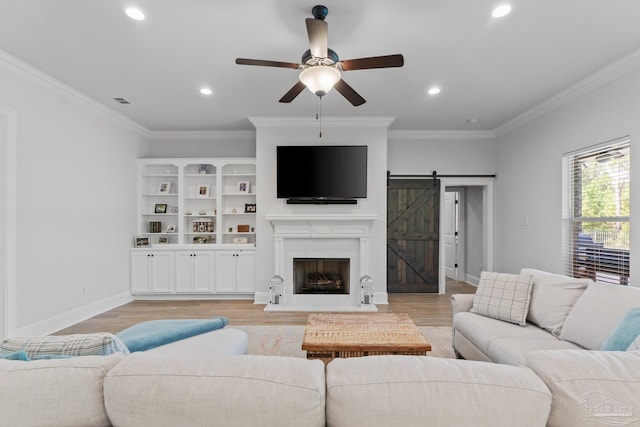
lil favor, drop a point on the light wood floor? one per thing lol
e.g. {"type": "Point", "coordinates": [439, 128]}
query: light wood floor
{"type": "Point", "coordinates": [424, 309]}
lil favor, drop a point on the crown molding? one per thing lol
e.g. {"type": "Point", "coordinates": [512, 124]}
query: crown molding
{"type": "Point", "coordinates": [431, 135]}
{"type": "Point", "coordinates": [600, 78]}
{"type": "Point", "coordinates": [11, 63]}
{"type": "Point", "coordinates": [327, 122]}
{"type": "Point", "coordinates": [215, 135]}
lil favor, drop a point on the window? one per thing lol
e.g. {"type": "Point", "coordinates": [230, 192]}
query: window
{"type": "Point", "coordinates": [596, 212]}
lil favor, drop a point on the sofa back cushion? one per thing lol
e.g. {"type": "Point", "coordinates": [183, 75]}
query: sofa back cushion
{"type": "Point", "coordinates": [596, 312]}
{"type": "Point", "coordinates": [552, 298]}
{"type": "Point", "coordinates": [234, 391]}
{"type": "Point", "coordinates": [57, 392]}
{"type": "Point", "coordinates": [427, 391]}
{"type": "Point", "coordinates": [590, 387]}
{"type": "Point", "coordinates": [503, 296]}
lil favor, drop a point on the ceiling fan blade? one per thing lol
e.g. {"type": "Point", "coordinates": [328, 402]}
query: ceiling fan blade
{"type": "Point", "coordinates": [263, 63]}
{"type": "Point", "coordinates": [318, 36]}
{"type": "Point", "coordinates": [386, 61]}
{"type": "Point", "coordinates": [293, 92]}
{"type": "Point", "coordinates": [347, 91]}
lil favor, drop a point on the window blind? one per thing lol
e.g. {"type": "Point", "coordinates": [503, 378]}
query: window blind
{"type": "Point", "coordinates": [596, 212]}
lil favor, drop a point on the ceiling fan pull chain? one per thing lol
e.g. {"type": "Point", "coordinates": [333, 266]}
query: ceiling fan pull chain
{"type": "Point", "coordinates": [319, 113]}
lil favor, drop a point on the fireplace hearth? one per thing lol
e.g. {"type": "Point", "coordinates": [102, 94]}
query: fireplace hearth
{"type": "Point", "coordinates": [321, 275]}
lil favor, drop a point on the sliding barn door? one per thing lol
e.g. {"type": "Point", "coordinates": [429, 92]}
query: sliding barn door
{"type": "Point", "coordinates": [413, 217]}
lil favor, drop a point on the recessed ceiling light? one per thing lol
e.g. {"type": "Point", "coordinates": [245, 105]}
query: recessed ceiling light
{"type": "Point", "coordinates": [500, 11]}
{"type": "Point", "coordinates": [433, 91]}
{"type": "Point", "coordinates": [134, 13]}
{"type": "Point", "coordinates": [473, 120]}
{"type": "Point", "coordinates": [206, 91]}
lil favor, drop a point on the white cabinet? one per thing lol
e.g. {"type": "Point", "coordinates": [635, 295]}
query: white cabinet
{"type": "Point", "coordinates": [194, 271]}
{"type": "Point", "coordinates": [151, 272]}
{"type": "Point", "coordinates": [235, 271]}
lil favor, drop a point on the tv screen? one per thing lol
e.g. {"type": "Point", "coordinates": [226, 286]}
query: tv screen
{"type": "Point", "coordinates": [322, 172]}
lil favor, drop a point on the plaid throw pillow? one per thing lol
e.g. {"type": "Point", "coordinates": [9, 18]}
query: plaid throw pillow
{"type": "Point", "coordinates": [99, 344]}
{"type": "Point", "coordinates": [503, 296]}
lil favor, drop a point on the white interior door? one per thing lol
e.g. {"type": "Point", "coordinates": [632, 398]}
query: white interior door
{"type": "Point", "coordinates": [451, 226]}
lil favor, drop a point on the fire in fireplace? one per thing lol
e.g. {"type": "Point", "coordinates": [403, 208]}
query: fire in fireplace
{"type": "Point", "coordinates": [321, 275]}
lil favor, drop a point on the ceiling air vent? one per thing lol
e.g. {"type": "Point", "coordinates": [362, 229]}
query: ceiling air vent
{"type": "Point", "coordinates": [122, 101]}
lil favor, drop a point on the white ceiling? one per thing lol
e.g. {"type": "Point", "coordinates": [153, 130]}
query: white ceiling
{"type": "Point", "coordinates": [490, 69]}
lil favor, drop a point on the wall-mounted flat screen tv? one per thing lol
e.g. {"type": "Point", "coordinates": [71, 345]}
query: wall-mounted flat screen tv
{"type": "Point", "coordinates": [323, 172]}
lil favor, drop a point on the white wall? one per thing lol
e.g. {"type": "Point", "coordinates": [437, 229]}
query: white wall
{"type": "Point", "coordinates": [3, 152]}
{"type": "Point", "coordinates": [370, 132]}
{"type": "Point", "coordinates": [202, 144]}
{"type": "Point", "coordinates": [446, 156]}
{"type": "Point", "coordinates": [76, 200]}
{"type": "Point", "coordinates": [474, 234]}
{"type": "Point", "coordinates": [530, 173]}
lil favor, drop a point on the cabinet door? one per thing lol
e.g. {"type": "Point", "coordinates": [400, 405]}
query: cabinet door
{"type": "Point", "coordinates": [246, 272]}
{"type": "Point", "coordinates": [226, 271]}
{"type": "Point", "coordinates": [161, 272]}
{"type": "Point", "coordinates": [140, 272]}
{"type": "Point", "coordinates": [202, 271]}
{"type": "Point", "coordinates": [184, 272]}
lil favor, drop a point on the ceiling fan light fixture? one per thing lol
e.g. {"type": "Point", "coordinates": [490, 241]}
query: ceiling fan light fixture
{"type": "Point", "coordinates": [320, 79]}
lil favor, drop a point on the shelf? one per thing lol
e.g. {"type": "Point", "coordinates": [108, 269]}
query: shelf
{"type": "Point", "coordinates": [200, 174]}
{"type": "Point", "coordinates": [199, 216]}
{"type": "Point", "coordinates": [160, 214]}
{"type": "Point", "coordinates": [239, 213]}
{"type": "Point", "coordinates": [248, 233]}
{"type": "Point", "coordinates": [160, 234]}
{"type": "Point", "coordinates": [160, 175]}
{"type": "Point", "coordinates": [239, 174]}
{"type": "Point", "coordinates": [209, 233]}
{"type": "Point", "coordinates": [161, 195]}
{"type": "Point", "coordinates": [199, 198]}
{"type": "Point", "coordinates": [239, 194]}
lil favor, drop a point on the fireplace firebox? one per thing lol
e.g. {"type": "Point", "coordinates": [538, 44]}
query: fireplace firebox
{"type": "Point", "coordinates": [321, 275]}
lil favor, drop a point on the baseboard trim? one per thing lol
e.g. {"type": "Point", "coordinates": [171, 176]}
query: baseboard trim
{"type": "Point", "coordinates": [64, 320]}
{"type": "Point", "coordinates": [472, 280]}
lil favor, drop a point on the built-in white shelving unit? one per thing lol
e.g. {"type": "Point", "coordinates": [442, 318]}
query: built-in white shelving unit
{"type": "Point", "coordinates": [195, 214]}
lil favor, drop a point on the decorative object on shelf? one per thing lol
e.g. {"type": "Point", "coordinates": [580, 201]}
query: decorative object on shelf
{"type": "Point", "coordinates": [230, 229]}
{"type": "Point", "coordinates": [187, 213]}
{"type": "Point", "coordinates": [203, 190]}
{"type": "Point", "coordinates": [155, 226]}
{"type": "Point", "coordinates": [163, 240]}
{"type": "Point", "coordinates": [202, 170]}
{"type": "Point", "coordinates": [253, 229]}
{"type": "Point", "coordinates": [366, 290]}
{"type": "Point", "coordinates": [174, 209]}
{"type": "Point", "coordinates": [240, 240]}
{"type": "Point", "coordinates": [141, 242]}
{"type": "Point", "coordinates": [203, 240]}
{"type": "Point", "coordinates": [171, 228]}
{"type": "Point", "coordinates": [243, 228]}
{"type": "Point", "coordinates": [275, 290]}
{"type": "Point", "coordinates": [249, 208]}
{"type": "Point", "coordinates": [161, 208]}
{"type": "Point", "coordinates": [234, 210]}
{"type": "Point", "coordinates": [244, 187]}
{"type": "Point", "coordinates": [202, 212]}
{"type": "Point", "coordinates": [203, 225]}
{"type": "Point", "coordinates": [164, 188]}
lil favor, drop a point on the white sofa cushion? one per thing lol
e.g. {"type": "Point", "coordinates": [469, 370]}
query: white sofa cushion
{"type": "Point", "coordinates": [57, 392]}
{"type": "Point", "coordinates": [417, 391]}
{"type": "Point", "coordinates": [503, 296]}
{"type": "Point", "coordinates": [590, 387]}
{"type": "Point", "coordinates": [552, 298]}
{"type": "Point", "coordinates": [505, 342]}
{"type": "Point", "coordinates": [234, 391]}
{"type": "Point", "coordinates": [225, 341]}
{"type": "Point", "coordinates": [596, 312]}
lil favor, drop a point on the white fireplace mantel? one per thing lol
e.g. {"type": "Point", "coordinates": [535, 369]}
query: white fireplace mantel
{"type": "Point", "coordinates": [319, 226]}
{"type": "Point", "coordinates": [316, 235]}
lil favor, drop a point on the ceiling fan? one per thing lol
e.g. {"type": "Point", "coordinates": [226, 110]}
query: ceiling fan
{"type": "Point", "coordinates": [321, 66]}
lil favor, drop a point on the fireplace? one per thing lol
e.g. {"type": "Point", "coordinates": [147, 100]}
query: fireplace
{"type": "Point", "coordinates": [321, 275]}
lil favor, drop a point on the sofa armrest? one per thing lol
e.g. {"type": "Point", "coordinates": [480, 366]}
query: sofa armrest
{"type": "Point", "coordinates": [461, 302]}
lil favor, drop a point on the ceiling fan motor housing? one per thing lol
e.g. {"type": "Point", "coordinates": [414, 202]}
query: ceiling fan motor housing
{"type": "Point", "coordinates": [319, 12]}
{"type": "Point", "coordinates": [332, 58]}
